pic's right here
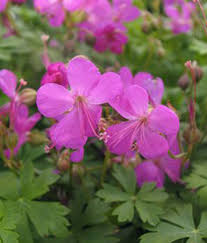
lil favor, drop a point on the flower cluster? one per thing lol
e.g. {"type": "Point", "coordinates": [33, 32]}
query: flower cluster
{"type": "Point", "coordinates": [147, 127]}
{"type": "Point", "coordinates": [103, 20]}
{"type": "Point", "coordinates": [179, 11]}
{"type": "Point", "coordinates": [20, 121]}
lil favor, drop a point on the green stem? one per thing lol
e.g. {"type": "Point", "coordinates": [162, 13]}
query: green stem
{"type": "Point", "coordinates": [105, 165]}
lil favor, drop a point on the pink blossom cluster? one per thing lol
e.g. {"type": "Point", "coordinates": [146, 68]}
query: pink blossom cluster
{"type": "Point", "coordinates": [147, 127]}
{"type": "Point", "coordinates": [20, 121]}
{"type": "Point", "coordinates": [103, 20]}
{"type": "Point", "coordinates": [180, 14]}
{"type": "Point", "coordinates": [55, 10]}
{"type": "Point", "coordinates": [106, 23]}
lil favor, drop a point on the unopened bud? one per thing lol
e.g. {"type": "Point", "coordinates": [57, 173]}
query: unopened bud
{"type": "Point", "coordinates": [28, 96]}
{"type": "Point", "coordinates": [161, 52]}
{"type": "Point", "coordinates": [78, 170]}
{"type": "Point", "coordinates": [11, 140]}
{"type": "Point", "coordinates": [184, 81]}
{"type": "Point", "coordinates": [36, 137]}
{"type": "Point", "coordinates": [45, 38]}
{"type": "Point", "coordinates": [198, 73]}
{"type": "Point", "coordinates": [63, 163]}
{"type": "Point", "coordinates": [146, 27]}
{"type": "Point", "coordinates": [190, 136]}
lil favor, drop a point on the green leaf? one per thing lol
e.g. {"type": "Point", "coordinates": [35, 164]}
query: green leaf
{"type": "Point", "coordinates": [198, 177]}
{"type": "Point", "coordinates": [100, 233]}
{"type": "Point", "coordinates": [95, 212]}
{"type": "Point", "coordinates": [113, 194]}
{"type": "Point", "coordinates": [149, 193]}
{"type": "Point", "coordinates": [126, 177]}
{"type": "Point", "coordinates": [178, 225]}
{"type": "Point", "coordinates": [9, 190]}
{"type": "Point", "coordinates": [125, 211]}
{"type": "Point", "coordinates": [148, 212]}
{"type": "Point", "coordinates": [149, 203]}
{"type": "Point", "coordinates": [89, 220]}
{"type": "Point", "coordinates": [8, 221]}
{"type": "Point", "coordinates": [48, 218]}
{"type": "Point", "coordinates": [34, 187]}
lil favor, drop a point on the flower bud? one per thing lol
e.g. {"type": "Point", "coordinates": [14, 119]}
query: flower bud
{"type": "Point", "coordinates": [63, 163]}
{"type": "Point", "coordinates": [198, 73]}
{"type": "Point", "coordinates": [190, 136]}
{"type": "Point", "coordinates": [146, 27]}
{"type": "Point", "coordinates": [78, 170]}
{"type": "Point", "coordinates": [11, 140]}
{"type": "Point", "coordinates": [28, 96]}
{"type": "Point", "coordinates": [184, 81]}
{"type": "Point", "coordinates": [36, 137]}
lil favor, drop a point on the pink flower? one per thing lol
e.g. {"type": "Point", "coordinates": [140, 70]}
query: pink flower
{"type": "Point", "coordinates": [146, 127]}
{"type": "Point", "coordinates": [105, 22]}
{"type": "Point", "coordinates": [3, 5]}
{"type": "Point", "coordinates": [179, 12]}
{"type": "Point", "coordinates": [77, 155]}
{"type": "Point", "coordinates": [78, 110]}
{"type": "Point", "coordinates": [23, 124]}
{"type": "Point", "coordinates": [124, 11]}
{"type": "Point", "coordinates": [53, 9]}
{"type": "Point", "coordinates": [8, 83]}
{"type": "Point", "coordinates": [56, 73]}
{"type": "Point", "coordinates": [72, 5]}
{"type": "Point", "coordinates": [153, 86]}
{"type": "Point", "coordinates": [155, 170]}
{"type": "Point", "coordinates": [110, 37]}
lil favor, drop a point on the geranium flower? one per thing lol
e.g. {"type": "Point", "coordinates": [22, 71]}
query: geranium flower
{"type": "Point", "coordinates": [155, 170]}
{"type": "Point", "coordinates": [56, 73]}
{"type": "Point", "coordinates": [146, 127]}
{"type": "Point", "coordinates": [78, 109]}
{"type": "Point", "coordinates": [22, 125]}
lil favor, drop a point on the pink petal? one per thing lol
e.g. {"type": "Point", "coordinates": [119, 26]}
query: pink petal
{"type": "Point", "coordinates": [8, 82]}
{"type": "Point", "coordinates": [121, 137]}
{"type": "Point", "coordinates": [53, 100]}
{"type": "Point", "coordinates": [171, 167]}
{"type": "Point", "coordinates": [151, 144]}
{"type": "Point", "coordinates": [32, 120]}
{"type": "Point", "coordinates": [126, 76]}
{"type": "Point", "coordinates": [102, 93]}
{"type": "Point", "coordinates": [164, 120]}
{"type": "Point", "coordinates": [138, 99]}
{"type": "Point", "coordinates": [3, 5]}
{"type": "Point", "coordinates": [72, 5]}
{"type": "Point", "coordinates": [69, 132]}
{"type": "Point", "coordinates": [4, 109]}
{"type": "Point", "coordinates": [77, 155]}
{"type": "Point", "coordinates": [148, 172]}
{"type": "Point", "coordinates": [154, 87]}
{"type": "Point", "coordinates": [131, 103]}
{"type": "Point", "coordinates": [83, 75]}
{"type": "Point", "coordinates": [89, 117]}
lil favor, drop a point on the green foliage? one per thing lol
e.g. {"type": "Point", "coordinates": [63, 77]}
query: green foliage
{"type": "Point", "coordinates": [148, 201]}
{"type": "Point", "coordinates": [47, 218]}
{"type": "Point", "coordinates": [178, 225]}
{"type": "Point", "coordinates": [89, 221]}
